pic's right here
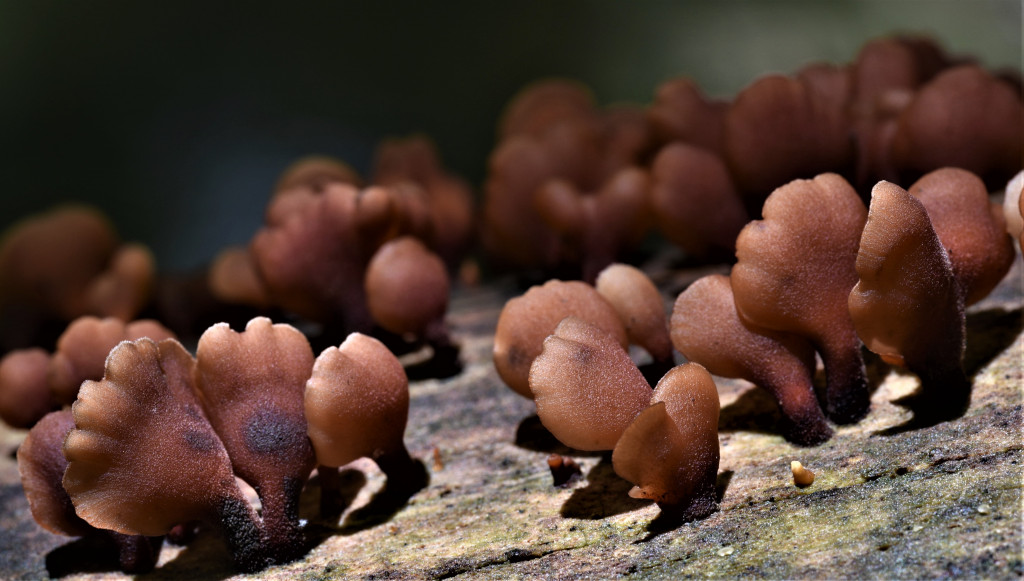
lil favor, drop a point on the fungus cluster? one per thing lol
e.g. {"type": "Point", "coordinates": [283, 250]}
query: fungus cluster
{"type": "Point", "coordinates": [34, 382]}
{"type": "Point", "coordinates": [591, 396]}
{"type": "Point", "coordinates": [64, 264]}
{"type": "Point", "coordinates": [926, 254]}
{"type": "Point", "coordinates": [137, 438]}
{"type": "Point", "coordinates": [822, 273]}
{"type": "Point", "coordinates": [625, 304]}
{"type": "Point", "coordinates": [355, 258]}
{"type": "Point", "coordinates": [558, 190]}
{"type": "Point", "coordinates": [563, 345]}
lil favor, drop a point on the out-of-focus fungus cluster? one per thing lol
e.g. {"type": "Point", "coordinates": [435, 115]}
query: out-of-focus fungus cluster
{"type": "Point", "coordinates": [126, 457]}
{"type": "Point", "coordinates": [571, 185]}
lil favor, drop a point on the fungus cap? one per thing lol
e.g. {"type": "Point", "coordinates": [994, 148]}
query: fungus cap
{"type": "Point", "coordinates": [139, 441]}
{"type": "Point", "coordinates": [24, 394]}
{"type": "Point", "coordinates": [406, 286]}
{"type": "Point", "coordinates": [970, 227]}
{"type": "Point", "coordinates": [526, 320]}
{"type": "Point", "coordinates": [356, 402]}
{"type": "Point", "coordinates": [586, 388]}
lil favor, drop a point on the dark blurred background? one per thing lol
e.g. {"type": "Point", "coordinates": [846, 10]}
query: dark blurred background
{"type": "Point", "coordinates": [176, 118]}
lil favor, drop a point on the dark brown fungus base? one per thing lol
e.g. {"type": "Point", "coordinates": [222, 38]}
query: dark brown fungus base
{"type": "Point", "coordinates": [671, 451]}
{"type": "Point", "coordinates": [140, 439]}
{"type": "Point", "coordinates": [42, 465]}
{"type": "Point", "coordinates": [564, 470]}
{"type": "Point", "coordinates": [794, 273]}
{"type": "Point", "coordinates": [357, 404]}
{"type": "Point", "coordinates": [526, 320]}
{"type": "Point", "coordinates": [907, 306]}
{"type": "Point", "coordinates": [707, 330]}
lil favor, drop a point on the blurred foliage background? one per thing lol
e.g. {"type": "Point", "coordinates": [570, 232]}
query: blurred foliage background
{"type": "Point", "coordinates": [176, 118]}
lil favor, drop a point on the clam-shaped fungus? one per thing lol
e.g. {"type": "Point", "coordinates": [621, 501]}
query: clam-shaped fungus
{"type": "Point", "coordinates": [681, 112]}
{"type": "Point", "coordinates": [707, 330]}
{"type": "Point", "coordinates": [794, 273]}
{"type": "Point", "coordinates": [907, 306]}
{"type": "Point", "coordinates": [357, 403]}
{"type": "Point", "coordinates": [42, 465]}
{"type": "Point", "coordinates": [671, 451]}
{"type": "Point", "coordinates": [586, 388]}
{"type": "Point", "coordinates": [251, 388]}
{"type": "Point", "coordinates": [140, 440]}
{"type": "Point", "coordinates": [526, 320]}
{"type": "Point", "coordinates": [591, 396]}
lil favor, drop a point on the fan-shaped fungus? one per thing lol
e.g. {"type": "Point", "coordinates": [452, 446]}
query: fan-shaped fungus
{"type": "Point", "coordinates": [907, 306]}
{"type": "Point", "coordinates": [780, 128]}
{"type": "Point", "coordinates": [794, 273]}
{"type": "Point", "coordinates": [139, 441]}
{"type": "Point", "coordinates": [694, 201]}
{"type": "Point", "coordinates": [586, 388]}
{"type": "Point", "coordinates": [707, 330]}
{"type": "Point", "coordinates": [681, 112]}
{"type": "Point", "coordinates": [356, 403]}
{"type": "Point", "coordinates": [595, 226]}
{"type": "Point", "coordinates": [233, 278]}
{"type": "Point", "coordinates": [251, 387]}
{"type": "Point", "coordinates": [42, 467]}
{"type": "Point", "coordinates": [640, 307]}
{"type": "Point", "coordinates": [449, 199]}
{"type": "Point", "coordinates": [970, 227]}
{"type": "Point", "coordinates": [526, 320]}
{"type": "Point", "coordinates": [670, 451]}
{"type": "Point", "coordinates": [964, 117]}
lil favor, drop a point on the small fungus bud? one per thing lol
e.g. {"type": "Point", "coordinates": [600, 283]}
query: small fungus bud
{"type": "Point", "coordinates": [802, 477]}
